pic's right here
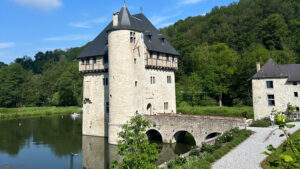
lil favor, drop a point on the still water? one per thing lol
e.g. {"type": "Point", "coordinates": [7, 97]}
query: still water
{"type": "Point", "coordinates": [56, 142]}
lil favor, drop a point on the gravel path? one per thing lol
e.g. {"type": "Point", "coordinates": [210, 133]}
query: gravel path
{"type": "Point", "coordinates": [248, 155]}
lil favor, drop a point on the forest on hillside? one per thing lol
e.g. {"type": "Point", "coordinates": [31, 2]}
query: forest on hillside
{"type": "Point", "coordinates": [218, 51]}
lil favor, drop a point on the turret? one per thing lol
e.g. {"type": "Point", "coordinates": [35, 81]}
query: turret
{"type": "Point", "coordinates": [121, 73]}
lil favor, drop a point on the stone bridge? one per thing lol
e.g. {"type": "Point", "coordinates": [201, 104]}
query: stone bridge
{"type": "Point", "coordinates": [172, 128]}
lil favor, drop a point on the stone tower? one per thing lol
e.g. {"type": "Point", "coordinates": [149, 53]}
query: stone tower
{"type": "Point", "coordinates": [128, 69]}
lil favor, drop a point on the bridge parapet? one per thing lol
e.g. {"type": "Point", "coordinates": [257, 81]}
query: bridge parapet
{"type": "Point", "coordinates": [199, 126]}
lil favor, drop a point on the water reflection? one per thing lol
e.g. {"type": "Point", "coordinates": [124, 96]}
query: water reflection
{"type": "Point", "coordinates": [48, 143]}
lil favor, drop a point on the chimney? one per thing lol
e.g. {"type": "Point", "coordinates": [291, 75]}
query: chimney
{"type": "Point", "coordinates": [257, 66]}
{"type": "Point", "coordinates": [116, 19]}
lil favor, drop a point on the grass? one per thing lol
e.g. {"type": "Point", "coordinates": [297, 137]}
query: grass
{"type": "Point", "coordinates": [203, 158]}
{"type": "Point", "coordinates": [261, 123]}
{"type": "Point", "coordinates": [244, 111]}
{"type": "Point", "coordinates": [268, 162]}
{"type": "Point", "coordinates": [11, 113]}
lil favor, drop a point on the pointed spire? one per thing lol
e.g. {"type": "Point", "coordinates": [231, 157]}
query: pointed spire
{"type": "Point", "coordinates": [124, 16]}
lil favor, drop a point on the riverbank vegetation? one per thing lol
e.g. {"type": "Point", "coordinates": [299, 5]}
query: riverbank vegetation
{"type": "Point", "coordinates": [244, 111]}
{"type": "Point", "coordinates": [11, 113]}
{"type": "Point", "coordinates": [208, 154]}
{"type": "Point", "coordinates": [218, 50]}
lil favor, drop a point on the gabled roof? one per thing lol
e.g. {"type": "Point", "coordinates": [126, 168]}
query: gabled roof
{"type": "Point", "coordinates": [138, 22]}
{"type": "Point", "coordinates": [273, 70]}
{"type": "Point", "coordinates": [293, 72]}
{"type": "Point", "coordinates": [270, 70]}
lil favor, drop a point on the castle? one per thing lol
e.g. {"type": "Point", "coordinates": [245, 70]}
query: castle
{"type": "Point", "coordinates": [128, 69]}
{"type": "Point", "coordinates": [274, 87]}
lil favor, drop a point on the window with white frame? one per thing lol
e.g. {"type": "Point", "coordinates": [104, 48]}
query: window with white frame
{"type": "Point", "coordinates": [271, 100]}
{"type": "Point", "coordinates": [169, 80]}
{"type": "Point", "coordinates": [269, 84]}
{"type": "Point", "coordinates": [152, 80]}
{"type": "Point", "coordinates": [166, 105]}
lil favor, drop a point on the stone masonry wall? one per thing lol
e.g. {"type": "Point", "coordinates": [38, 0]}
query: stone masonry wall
{"type": "Point", "coordinates": [283, 92]}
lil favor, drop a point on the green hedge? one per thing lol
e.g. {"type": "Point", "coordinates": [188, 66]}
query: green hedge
{"type": "Point", "coordinates": [217, 111]}
{"type": "Point", "coordinates": [208, 154]}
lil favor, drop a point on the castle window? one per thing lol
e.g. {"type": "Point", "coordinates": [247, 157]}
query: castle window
{"type": "Point", "coordinates": [105, 59]}
{"type": "Point", "coordinates": [168, 58]}
{"type": "Point", "coordinates": [297, 109]}
{"type": "Point", "coordinates": [166, 105]}
{"type": "Point", "coordinates": [95, 60]}
{"type": "Point", "coordinates": [271, 100]}
{"type": "Point", "coordinates": [295, 83]}
{"type": "Point", "coordinates": [296, 94]}
{"type": "Point", "coordinates": [132, 37]}
{"type": "Point", "coordinates": [107, 107]}
{"type": "Point", "coordinates": [136, 83]}
{"type": "Point", "coordinates": [151, 55]}
{"type": "Point", "coordinates": [163, 41]}
{"type": "Point", "coordinates": [150, 38]}
{"type": "Point", "coordinates": [152, 80]}
{"type": "Point", "coordinates": [173, 59]}
{"type": "Point", "coordinates": [82, 61]}
{"type": "Point", "coordinates": [158, 56]}
{"type": "Point", "coordinates": [134, 60]}
{"type": "Point", "coordinates": [88, 61]}
{"type": "Point", "coordinates": [270, 84]}
{"type": "Point", "coordinates": [169, 80]}
{"type": "Point", "coordinates": [105, 81]}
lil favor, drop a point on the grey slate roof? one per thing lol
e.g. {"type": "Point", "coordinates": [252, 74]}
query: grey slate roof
{"type": "Point", "coordinates": [137, 22]}
{"type": "Point", "coordinates": [273, 70]}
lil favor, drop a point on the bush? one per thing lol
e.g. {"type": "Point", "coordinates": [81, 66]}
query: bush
{"type": "Point", "coordinates": [194, 152]}
{"type": "Point", "coordinates": [261, 123]}
{"type": "Point", "coordinates": [208, 101]}
{"type": "Point", "coordinates": [209, 148]}
{"type": "Point", "coordinates": [215, 111]}
{"type": "Point", "coordinates": [178, 161]}
{"type": "Point", "coordinates": [210, 158]}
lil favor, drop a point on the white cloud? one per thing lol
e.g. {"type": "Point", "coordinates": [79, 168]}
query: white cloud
{"type": "Point", "coordinates": [88, 23]}
{"type": "Point", "coordinates": [43, 5]}
{"type": "Point", "coordinates": [156, 20]}
{"type": "Point", "coordinates": [187, 2]}
{"type": "Point", "coordinates": [6, 45]}
{"type": "Point", "coordinates": [68, 38]}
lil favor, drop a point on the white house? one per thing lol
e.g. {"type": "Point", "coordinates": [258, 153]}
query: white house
{"type": "Point", "coordinates": [274, 87]}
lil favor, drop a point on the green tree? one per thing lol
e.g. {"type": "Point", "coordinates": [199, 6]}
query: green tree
{"type": "Point", "coordinates": [273, 30]}
{"type": "Point", "coordinates": [192, 88]}
{"type": "Point", "coordinates": [222, 64]}
{"type": "Point", "coordinates": [134, 147]}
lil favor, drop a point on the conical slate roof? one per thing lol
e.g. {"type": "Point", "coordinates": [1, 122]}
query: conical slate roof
{"type": "Point", "coordinates": [138, 22]}
{"type": "Point", "coordinates": [270, 70]}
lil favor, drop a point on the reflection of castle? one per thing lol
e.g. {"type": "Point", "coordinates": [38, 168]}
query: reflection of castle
{"type": "Point", "coordinates": [128, 69]}
{"type": "Point", "coordinates": [97, 153]}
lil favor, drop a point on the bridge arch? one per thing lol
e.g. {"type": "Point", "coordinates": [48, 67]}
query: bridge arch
{"type": "Point", "coordinates": [212, 135]}
{"type": "Point", "coordinates": [154, 135]}
{"type": "Point", "coordinates": [183, 136]}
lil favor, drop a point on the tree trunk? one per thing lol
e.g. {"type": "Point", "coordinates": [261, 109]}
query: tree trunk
{"type": "Point", "coordinates": [220, 100]}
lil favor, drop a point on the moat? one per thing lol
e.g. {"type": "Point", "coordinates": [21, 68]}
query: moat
{"type": "Point", "coordinates": [57, 142]}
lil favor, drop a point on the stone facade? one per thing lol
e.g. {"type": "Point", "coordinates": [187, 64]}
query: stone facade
{"type": "Point", "coordinates": [283, 91]}
{"type": "Point", "coordinates": [135, 80]}
{"type": "Point", "coordinates": [170, 127]}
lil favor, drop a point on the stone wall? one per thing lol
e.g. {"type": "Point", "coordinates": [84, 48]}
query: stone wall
{"type": "Point", "coordinates": [95, 96]}
{"type": "Point", "coordinates": [283, 92]}
{"type": "Point", "coordinates": [199, 126]}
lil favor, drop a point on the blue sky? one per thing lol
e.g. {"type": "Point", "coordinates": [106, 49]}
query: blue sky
{"type": "Point", "coordinates": [30, 26]}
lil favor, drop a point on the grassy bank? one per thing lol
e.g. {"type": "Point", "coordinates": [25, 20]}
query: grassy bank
{"type": "Point", "coordinates": [217, 111]}
{"type": "Point", "coordinates": [11, 113]}
{"type": "Point", "coordinates": [268, 163]}
{"type": "Point", "coordinates": [208, 154]}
